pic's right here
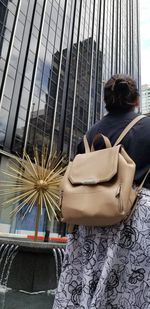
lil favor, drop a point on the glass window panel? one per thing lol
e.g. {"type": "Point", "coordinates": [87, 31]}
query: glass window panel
{"type": "Point", "coordinates": [3, 119]}
{"type": "Point", "coordinates": [11, 7]}
{"type": "Point", "coordinates": [10, 20]}
{"type": "Point", "coordinates": [54, 14]}
{"type": "Point", "coordinates": [25, 98]}
{"type": "Point", "coordinates": [12, 72]}
{"type": "Point", "coordinates": [29, 70]}
{"type": "Point", "coordinates": [6, 103]}
{"type": "Point", "coordinates": [31, 56]}
{"type": "Point", "coordinates": [53, 89]}
{"type": "Point", "coordinates": [35, 104]}
{"type": "Point", "coordinates": [7, 34]}
{"type": "Point", "coordinates": [9, 87]}
{"type": "Point", "coordinates": [40, 122]}
{"type": "Point", "coordinates": [24, 6]}
{"type": "Point", "coordinates": [27, 83]}
{"type": "Point", "coordinates": [45, 29]}
{"type": "Point", "coordinates": [19, 30]}
{"type": "Point", "coordinates": [22, 18]}
{"type": "Point", "coordinates": [33, 44]}
{"type": "Point", "coordinates": [57, 43]}
{"type": "Point", "coordinates": [39, 8]}
{"type": "Point", "coordinates": [37, 20]}
{"type": "Point", "coordinates": [51, 36]}
{"type": "Point", "coordinates": [2, 137]}
{"type": "Point", "coordinates": [4, 49]}
{"type": "Point", "coordinates": [22, 113]}
{"type": "Point", "coordinates": [2, 64]}
{"type": "Point", "coordinates": [1, 76]}
{"type": "Point", "coordinates": [20, 128]}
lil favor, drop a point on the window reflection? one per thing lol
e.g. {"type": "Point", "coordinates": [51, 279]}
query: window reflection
{"type": "Point", "coordinates": [56, 76]}
{"type": "Point", "coordinates": [68, 64]}
{"type": "Point", "coordinates": [3, 124]}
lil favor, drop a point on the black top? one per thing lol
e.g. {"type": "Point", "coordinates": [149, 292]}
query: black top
{"type": "Point", "coordinates": [136, 142]}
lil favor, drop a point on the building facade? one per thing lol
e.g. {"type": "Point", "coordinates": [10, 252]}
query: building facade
{"type": "Point", "coordinates": [55, 56]}
{"type": "Point", "coordinates": [145, 99]}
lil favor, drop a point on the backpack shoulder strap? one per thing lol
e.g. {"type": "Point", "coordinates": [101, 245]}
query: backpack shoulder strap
{"type": "Point", "coordinates": [96, 138]}
{"type": "Point", "coordinates": [127, 129]}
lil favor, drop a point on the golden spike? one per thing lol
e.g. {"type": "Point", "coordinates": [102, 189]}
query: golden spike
{"type": "Point", "coordinates": [23, 203]}
{"type": "Point", "coordinates": [47, 210]}
{"type": "Point", "coordinates": [37, 221]}
{"type": "Point", "coordinates": [32, 203]}
{"type": "Point", "coordinates": [45, 155]}
{"type": "Point", "coordinates": [33, 184]}
{"type": "Point", "coordinates": [15, 177]}
{"type": "Point", "coordinates": [52, 174]}
{"type": "Point", "coordinates": [51, 206]}
{"type": "Point", "coordinates": [41, 202]}
{"type": "Point", "coordinates": [53, 201]}
{"type": "Point", "coordinates": [20, 197]}
{"type": "Point", "coordinates": [54, 195]}
{"type": "Point", "coordinates": [31, 165]}
{"type": "Point", "coordinates": [25, 166]}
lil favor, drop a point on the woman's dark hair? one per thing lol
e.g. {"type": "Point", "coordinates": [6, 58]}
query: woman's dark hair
{"type": "Point", "coordinates": [120, 93]}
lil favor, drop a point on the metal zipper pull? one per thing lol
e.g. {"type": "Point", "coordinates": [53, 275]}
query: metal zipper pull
{"type": "Point", "coordinates": [118, 196]}
{"type": "Point", "coordinates": [118, 192]}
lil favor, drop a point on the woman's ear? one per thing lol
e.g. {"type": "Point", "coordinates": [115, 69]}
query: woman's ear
{"type": "Point", "coordinates": [137, 102]}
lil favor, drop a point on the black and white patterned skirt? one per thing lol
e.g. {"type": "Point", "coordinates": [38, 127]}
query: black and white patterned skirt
{"type": "Point", "coordinates": [108, 268]}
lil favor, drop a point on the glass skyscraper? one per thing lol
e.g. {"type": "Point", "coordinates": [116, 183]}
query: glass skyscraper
{"type": "Point", "coordinates": [55, 56]}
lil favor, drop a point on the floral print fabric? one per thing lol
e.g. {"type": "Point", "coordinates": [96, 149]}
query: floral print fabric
{"type": "Point", "coordinates": [108, 268]}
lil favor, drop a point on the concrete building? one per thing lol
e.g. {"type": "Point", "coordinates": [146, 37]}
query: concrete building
{"type": "Point", "coordinates": [145, 100]}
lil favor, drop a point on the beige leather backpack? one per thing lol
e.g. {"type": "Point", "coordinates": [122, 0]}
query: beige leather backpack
{"type": "Point", "coordinates": [97, 188]}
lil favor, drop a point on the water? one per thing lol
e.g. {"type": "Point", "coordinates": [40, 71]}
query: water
{"type": "Point", "coordinates": [5, 248]}
{"type": "Point", "coordinates": [58, 255]}
{"type": "Point", "coordinates": [12, 257]}
{"type": "Point", "coordinates": [8, 256]}
{"type": "Point", "coordinates": [8, 253]}
{"type": "Point", "coordinates": [56, 264]}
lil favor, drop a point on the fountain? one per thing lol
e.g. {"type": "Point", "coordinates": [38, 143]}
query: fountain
{"type": "Point", "coordinates": [7, 255]}
{"type": "Point", "coordinates": [28, 277]}
{"type": "Point", "coordinates": [29, 268]}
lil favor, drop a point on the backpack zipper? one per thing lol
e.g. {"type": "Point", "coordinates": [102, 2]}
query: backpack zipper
{"type": "Point", "coordinates": [61, 199]}
{"type": "Point", "coordinates": [118, 196]}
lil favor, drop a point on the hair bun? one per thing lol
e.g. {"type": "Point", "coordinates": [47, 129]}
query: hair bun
{"type": "Point", "coordinates": [121, 88]}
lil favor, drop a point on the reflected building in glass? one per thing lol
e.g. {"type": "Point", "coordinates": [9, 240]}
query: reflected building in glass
{"type": "Point", "coordinates": [55, 56]}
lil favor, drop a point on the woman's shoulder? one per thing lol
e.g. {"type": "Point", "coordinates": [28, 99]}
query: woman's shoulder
{"type": "Point", "coordinates": [97, 127]}
{"type": "Point", "coordinates": [143, 125]}
{"type": "Point", "coordinates": [146, 121]}
{"type": "Point", "coordinates": [143, 128]}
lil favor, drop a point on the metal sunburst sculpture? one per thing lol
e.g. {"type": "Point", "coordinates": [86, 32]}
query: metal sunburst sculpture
{"type": "Point", "coordinates": [33, 184]}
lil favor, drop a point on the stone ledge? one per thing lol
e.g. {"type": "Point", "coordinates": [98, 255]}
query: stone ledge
{"type": "Point", "coordinates": [32, 246]}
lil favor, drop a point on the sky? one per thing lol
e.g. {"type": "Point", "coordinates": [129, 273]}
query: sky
{"type": "Point", "coordinates": [145, 40]}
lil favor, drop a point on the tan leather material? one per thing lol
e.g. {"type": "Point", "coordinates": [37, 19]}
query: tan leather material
{"type": "Point", "coordinates": [103, 204]}
{"type": "Point", "coordinates": [127, 129]}
{"type": "Point", "coordinates": [106, 141]}
{"type": "Point", "coordinates": [97, 188]}
{"type": "Point", "coordinates": [86, 168]}
{"type": "Point", "coordinates": [86, 144]}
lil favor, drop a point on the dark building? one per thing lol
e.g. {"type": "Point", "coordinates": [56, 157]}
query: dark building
{"type": "Point", "coordinates": [55, 56]}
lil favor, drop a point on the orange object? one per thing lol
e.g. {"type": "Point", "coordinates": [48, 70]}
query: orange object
{"type": "Point", "coordinates": [53, 239]}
